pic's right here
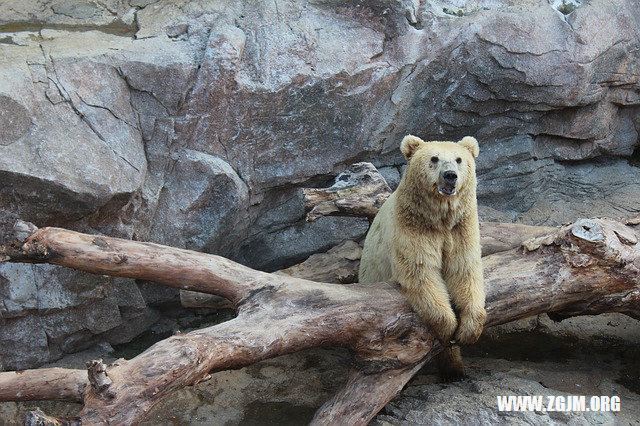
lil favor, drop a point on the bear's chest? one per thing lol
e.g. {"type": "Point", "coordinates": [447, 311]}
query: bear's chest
{"type": "Point", "coordinates": [449, 216]}
{"type": "Point", "coordinates": [428, 214]}
{"type": "Point", "coordinates": [442, 216]}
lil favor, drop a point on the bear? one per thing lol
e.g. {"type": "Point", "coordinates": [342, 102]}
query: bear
{"type": "Point", "coordinates": [426, 237]}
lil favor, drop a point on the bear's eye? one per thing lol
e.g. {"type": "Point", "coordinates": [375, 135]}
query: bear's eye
{"type": "Point", "coordinates": [458, 160]}
{"type": "Point", "coordinates": [434, 159]}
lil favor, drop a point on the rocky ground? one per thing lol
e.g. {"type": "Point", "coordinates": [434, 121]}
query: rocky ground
{"type": "Point", "coordinates": [530, 357]}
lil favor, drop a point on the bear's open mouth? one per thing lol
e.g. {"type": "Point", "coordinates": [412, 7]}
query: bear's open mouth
{"type": "Point", "coordinates": [447, 190]}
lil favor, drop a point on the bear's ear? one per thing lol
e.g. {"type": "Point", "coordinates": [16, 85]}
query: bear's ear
{"type": "Point", "coordinates": [410, 145]}
{"type": "Point", "coordinates": [471, 144]}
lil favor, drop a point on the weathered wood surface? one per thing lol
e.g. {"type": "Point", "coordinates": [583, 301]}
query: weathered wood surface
{"type": "Point", "coordinates": [43, 384]}
{"type": "Point", "coordinates": [359, 191]}
{"type": "Point", "coordinates": [496, 237]}
{"type": "Point", "coordinates": [589, 267]}
{"type": "Point", "coordinates": [339, 265]}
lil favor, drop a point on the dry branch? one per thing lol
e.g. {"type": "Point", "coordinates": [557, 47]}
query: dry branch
{"type": "Point", "coordinates": [587, 267]}
{"type": "Point", "coordinates": [43, 384]}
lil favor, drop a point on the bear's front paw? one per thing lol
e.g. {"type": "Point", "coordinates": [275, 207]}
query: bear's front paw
{"type": "Point", "coordinates": [444, 327]}
{"type": "Point", "coordinates": [471, 325]}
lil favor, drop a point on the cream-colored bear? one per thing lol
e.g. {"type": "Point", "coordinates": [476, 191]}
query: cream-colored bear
{"type": "Point", "coordinates": [426, 237]}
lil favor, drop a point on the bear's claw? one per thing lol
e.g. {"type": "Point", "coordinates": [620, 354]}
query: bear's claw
{"type": "Point", "coordinates": [470, 327]}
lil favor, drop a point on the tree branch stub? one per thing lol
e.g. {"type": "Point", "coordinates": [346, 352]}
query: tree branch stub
{"type": "Point", "coordinates": [359, 191]}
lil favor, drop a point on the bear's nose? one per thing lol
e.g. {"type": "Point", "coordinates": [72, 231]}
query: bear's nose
{"type": "Point", "coordinates": [450, 177]}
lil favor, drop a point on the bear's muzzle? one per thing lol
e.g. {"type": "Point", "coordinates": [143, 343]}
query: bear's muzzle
{"type": "Point", "coordinates": [449, 179]}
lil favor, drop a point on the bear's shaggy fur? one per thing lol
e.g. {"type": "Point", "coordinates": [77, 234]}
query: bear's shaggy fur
{"type": "Point", "coordinates": [426, 237]}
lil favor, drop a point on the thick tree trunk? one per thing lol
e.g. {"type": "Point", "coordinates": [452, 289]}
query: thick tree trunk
{"type": "Point", "coordinates": [587, 267]}
{"type": "Point", "coordinates": [43, 384]}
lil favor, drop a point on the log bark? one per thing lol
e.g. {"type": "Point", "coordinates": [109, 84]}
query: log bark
{"type": "Point", "coordinates": [591, 266]}
{"type": "Point", "coordinates": [43, 384]}
{"type": "Point", "coordinates": [359, 191]}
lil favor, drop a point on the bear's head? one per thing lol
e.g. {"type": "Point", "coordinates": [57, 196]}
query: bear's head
{"type": "Point", "coordinates": [443, 169]}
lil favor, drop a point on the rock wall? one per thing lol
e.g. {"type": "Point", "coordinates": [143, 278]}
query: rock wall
{"type": "Point", "coordinates": [195, 124]}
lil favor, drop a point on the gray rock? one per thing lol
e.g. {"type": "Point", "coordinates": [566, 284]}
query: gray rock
{"type": "Point", "coordinates": [14, 119]}
{"type": "Point", "coordinates": [543, 191]}
{"type": "Point", "coordinates": [63, 311]}
{"type": "Point", "coordinates": [391, 175]}
{"type": "Point", "coordinates": [110, 16]}
{"type": "Point", "coordinates": [276, 249]}
{"type": "Point", "coordinates": [40, 160]}
{"type": "Point", "coordinates": [473, 402]}
{"type": "Point", "coordinates": [18, 290]}
{"type": "Point", "coordinates": [596, 328]}
{"type": "Point", "coordinates": [282, 237]}
{"type": "Point", "coordinates": [23, 342]}
{"type": "Point", "coordinates": [202, 206]}
{"type": "Point", "coordinates": [46, 288]}
{"type": "Point", "coordinates": [526, 363]}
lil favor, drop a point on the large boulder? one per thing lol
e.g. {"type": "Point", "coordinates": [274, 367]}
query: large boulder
{"type": "Point", "coordinates": [47, 311]}
{"type": "Point", "coordinates": [69, 142]}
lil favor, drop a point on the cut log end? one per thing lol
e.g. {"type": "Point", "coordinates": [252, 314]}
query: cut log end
{"type": "Point", "coordinates": [359, 191]}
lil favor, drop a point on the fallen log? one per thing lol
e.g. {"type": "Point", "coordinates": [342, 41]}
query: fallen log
{"type": "Point", "coordinates": [43, 384]}
{"type": "Point", "coordinates": [590, 266]}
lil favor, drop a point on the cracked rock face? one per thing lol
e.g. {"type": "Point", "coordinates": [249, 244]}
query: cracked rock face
{"type": "Point", "coordinates": [195, 124]}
